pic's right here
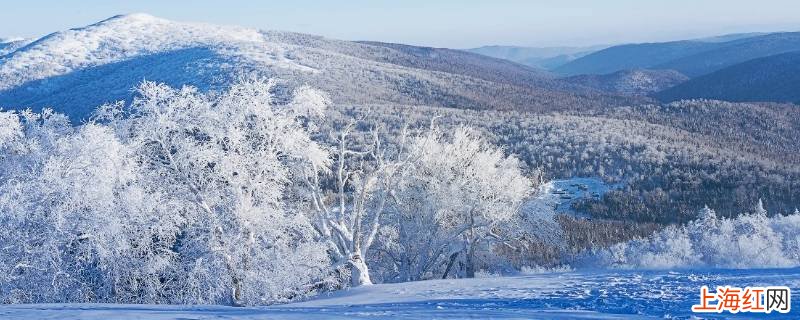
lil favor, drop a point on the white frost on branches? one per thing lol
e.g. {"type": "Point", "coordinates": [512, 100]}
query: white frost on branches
{"type": "Point", "coordinates": [752, 240]}
{"type": "Point", "coordinates": [181, 202]}
{"type": "Point", "coordinates": [182, 196]}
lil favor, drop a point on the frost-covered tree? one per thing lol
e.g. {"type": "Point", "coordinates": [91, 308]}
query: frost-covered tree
{"type": "Point", "coordinates": [222, 162]}
{"type": "Point", "coordinates": [180, 197]}
{"type": "Point", "coordinates": [349, 212]}
{"type": "Point", "coordinates": [67, 219]}
{"type": "Point", "coordinates": [456, 194]}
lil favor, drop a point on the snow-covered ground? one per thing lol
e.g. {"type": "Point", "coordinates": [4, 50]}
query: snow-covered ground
{"type": "Point", "coordinates": [557, 196]}
{"type": "Point", "coordinates": [568, 295]}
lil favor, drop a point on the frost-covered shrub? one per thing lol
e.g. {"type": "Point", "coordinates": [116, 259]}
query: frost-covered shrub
{"type": "Point", "coordinates": [752, 240]}
{"type": "Point", "coordinates": [184, 200]}
{"type": "Point", "coordinates": [459, 198]}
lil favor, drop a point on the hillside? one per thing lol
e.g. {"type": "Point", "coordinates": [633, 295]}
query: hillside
{"type": "Point", "coordinates": [689, 57]}
{"type": "Point", "coordinates": [632, 56]}
{"type": "Point", "coordinates": [466, 63]}
{"type": "Point", "coordinates": [671, 159]}
{"type": "Point", "coordinates": [9, 45]}
{"type": "Point", "coordinates": [631, 82]}
{"type": "Point", "coordinates": [774, 78]}
{"type": "Point", "coordinates": [68, 69]}
{"type": "Point", "coordinates": [733, 52]}
{"type": "Point", "coordinates": [564, 126]}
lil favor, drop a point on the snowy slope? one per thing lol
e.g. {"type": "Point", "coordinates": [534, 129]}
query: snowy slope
{"type": "Point", "coordinates": [8, 45]}
{"type": "Point", "coordinates": [76, 70]}
{"type": "Point", "coordinates": [570, 295]}
{"type": "Point", "coordinates": [123, 37]}
{"type": "Point", "coordinates": [79, 69]}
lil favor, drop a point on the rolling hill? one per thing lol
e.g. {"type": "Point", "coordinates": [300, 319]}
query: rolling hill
{"type": "Point", "coordinates": [631, 82]}
{"type": "Point", "coordinates": [774, 78]}
{"type": "Point", "coordinates": [76, 70]}
{"type": "Point", "coordinates": [632, 56]}
{"type": "Point", "coordinates": [690, 57]}
{"type": "Point", "coordinates": [733, 52]}
{"type": "Point", "coordinates": [11, 44]}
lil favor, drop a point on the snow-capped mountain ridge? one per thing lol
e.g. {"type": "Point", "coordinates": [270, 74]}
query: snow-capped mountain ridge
{"type": "Point", "coordinates": [124, 37]}
{"type": "Point", "coordinates": [8, 45]}
{"type": "Point", "coordinates": [76, 70]}
{"type": "Point", "coordinates": [4, 40]}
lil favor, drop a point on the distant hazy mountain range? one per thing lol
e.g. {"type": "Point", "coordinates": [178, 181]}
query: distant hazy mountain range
{"type": "Point", "coordinates": [690, 57]}
{"type": "Point", "coordinates": [544, 58]}
{"type": "Point", "coordinates": [734, 67]}
{"type": "Point", "coordinates": [773, 78]}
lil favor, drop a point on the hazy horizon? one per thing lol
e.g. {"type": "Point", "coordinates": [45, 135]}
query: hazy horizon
{"type": "Point", "coordinates": [452, 24]}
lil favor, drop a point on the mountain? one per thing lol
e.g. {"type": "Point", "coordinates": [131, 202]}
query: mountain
{"type": "Point", "coordinates": [461, 62]}
{"type": "Point", "coordinates": [632, 56]}
{"type": "Point", "coordinates": [8, 45]}
{"type": "Point", "coordinates": [689, 57]}
{"type": "Point", "coordinates": [774, 78]}
{"type": "Point", "coordinates": [731, 37]}
{"type": "Point", "coordinates": [543, 58]}
{"type": "Point", "coordinates": [733, 52]}
{"type": "Point", "coordinates": [76, 70]}
{"type": "Point", "coordinates": [631, 82]}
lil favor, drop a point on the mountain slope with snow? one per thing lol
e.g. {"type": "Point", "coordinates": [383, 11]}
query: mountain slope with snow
{"type": "Point", "coordinates": [76, 70]}
{"type": "Point", "coordinates": [631, 82]}
{"type": "Point", "coordinates": [9, 45]}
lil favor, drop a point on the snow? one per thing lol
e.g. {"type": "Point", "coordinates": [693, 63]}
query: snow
{"type": "Point", "coordinates": [751, 240]}
{"type": "Point", "coordinates": [557, 196]}
{"type": "Point", "coordinates": [582, 294]}
{"type": "Point", "coordinates": [127, 36]}
{"type": "Point", "coordinates": [77, 70]}
{"type": "Point", "coordinates": [9, 45]}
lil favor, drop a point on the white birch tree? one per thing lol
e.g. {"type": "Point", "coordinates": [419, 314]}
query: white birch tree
{"type": "Point", "coordinates": [349, 210]}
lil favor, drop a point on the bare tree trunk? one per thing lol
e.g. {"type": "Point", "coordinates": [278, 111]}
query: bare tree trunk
{"type": "Point", "coordinates": [236, 295]}
{"type": "Point", "coordinates": [450, 264]}
{"type": "Point", "coordinates": [359, 272]}
{"type": "Point", "coordinates": [470, 261]}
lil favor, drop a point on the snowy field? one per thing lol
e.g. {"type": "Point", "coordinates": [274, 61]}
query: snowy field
{"type": "Point", "coordinates": [569, 295]}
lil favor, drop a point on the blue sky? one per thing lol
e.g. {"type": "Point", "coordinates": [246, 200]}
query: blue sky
{"type": "Point", "coordinates": [443, 23]}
